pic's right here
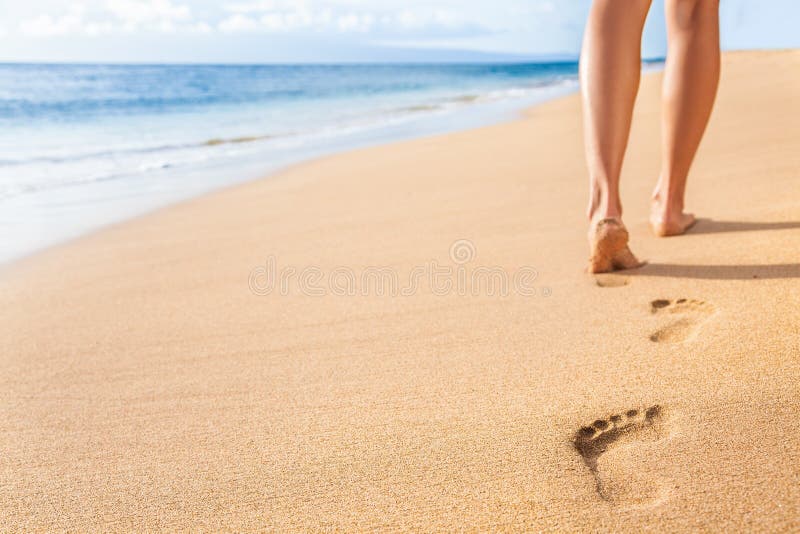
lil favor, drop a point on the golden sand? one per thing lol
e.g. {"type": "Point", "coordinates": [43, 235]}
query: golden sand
{"type": "Point", "coordinates": [144, 385]}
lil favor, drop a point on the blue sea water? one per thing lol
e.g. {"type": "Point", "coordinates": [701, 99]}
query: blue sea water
{"type": "Point", "coordinates": [82, 146]}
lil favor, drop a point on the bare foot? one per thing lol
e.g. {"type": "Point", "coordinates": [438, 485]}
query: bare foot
{"type": "Point", "coordinates": [666, 221]}
{"type": "Point", "coordinates": [670, 226]}
{"type": "Point", "coordinates": [608, 241]}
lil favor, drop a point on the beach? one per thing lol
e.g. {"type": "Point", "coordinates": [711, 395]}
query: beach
{"type": "Point", "coordinates": [155, 375]}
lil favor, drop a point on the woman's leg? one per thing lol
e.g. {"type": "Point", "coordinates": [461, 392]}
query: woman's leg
{"type": "Point", "coordinates": [690, 87]}
{"type": "Point", "coordinates": [609, 72]}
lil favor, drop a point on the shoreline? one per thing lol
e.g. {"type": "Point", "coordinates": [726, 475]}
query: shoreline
{"type": "Point", "coordinates": [145, 385]}
{"type": "Point", "coordinates": [249, 177]}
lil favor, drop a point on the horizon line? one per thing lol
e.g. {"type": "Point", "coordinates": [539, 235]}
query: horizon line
{"type": "Point", "coordinates": [476, 61]}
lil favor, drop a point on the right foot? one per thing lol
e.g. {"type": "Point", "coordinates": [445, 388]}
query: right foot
{"type": "Point", "coordinates": [608, 241]}
{"type": "Point", "coordinates": [668, 219]}
{"type": "Point", "coordinates": [671, 225]}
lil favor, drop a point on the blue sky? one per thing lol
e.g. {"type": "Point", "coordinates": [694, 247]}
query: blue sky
{"type": "Point", "coordinates": [339, 30]}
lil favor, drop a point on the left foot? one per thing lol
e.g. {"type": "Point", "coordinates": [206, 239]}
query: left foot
{"type": "Point", "coordinates": [608, 242]}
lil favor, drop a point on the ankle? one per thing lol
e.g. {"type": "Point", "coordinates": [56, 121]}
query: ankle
{"type": "Point", "coordinates": [604, 201]}
{"type": "Point", "coordinates": [669, 192]}
{"type": "Point", "coordinates": [601, 215]}
{"type": "Point", "coordinates": [604, 207]}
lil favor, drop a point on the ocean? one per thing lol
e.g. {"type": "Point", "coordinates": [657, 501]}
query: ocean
{"type": "Point", "coordinates": [83, 146]}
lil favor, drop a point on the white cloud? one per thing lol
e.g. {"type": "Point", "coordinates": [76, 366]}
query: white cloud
{"type": "Point", "coordinates": [415, 20]}
{"type": "Point", "coordinates": [346, 16]}
{"type": "Point", "coordinates": [290, 20]}
{"type": "Point", "coordinates": [201, 27]}
{"type": "Point", "coordinates": [98, 28]}
{"type": "Point", "coordinates": [111, 16]}
{"type": "Point", "coordinates": [238, 23]}
{"type": "Point", "coordinates": [354, 22]}
{"type": "Point", "coordinates": [147, 11]}
{"type": "Point", "coordinates": [47, 25]}
{"type": "Point", "coordinates": [283, 16]}
{"type": "Point", "coordinates": [261, 6]}
{"type": "Point", "coordinates": [364, 19]}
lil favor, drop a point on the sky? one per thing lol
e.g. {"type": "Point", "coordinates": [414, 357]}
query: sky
{"type": "Point", "coordinates": [291, 31]}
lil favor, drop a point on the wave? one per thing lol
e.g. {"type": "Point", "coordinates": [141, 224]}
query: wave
{"type": "Point", "coordinates": [515, 92]}
{"type": "Point", "coordinates": [116, 152]}
{"type": "Point", "coordinates": [419, 108]}
{"type": "Point", "coordinates": [238, 140]}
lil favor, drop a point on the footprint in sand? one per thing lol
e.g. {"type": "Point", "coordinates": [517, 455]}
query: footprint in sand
{"type": "Point", "coordinates": [689, 316]}
{"type": "Point", "coordinates": [619, 453]}
{"type": "Point", "coordinates": [610, 280]}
